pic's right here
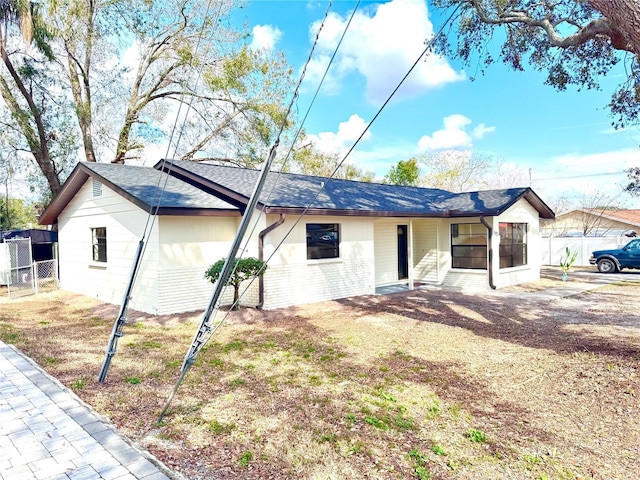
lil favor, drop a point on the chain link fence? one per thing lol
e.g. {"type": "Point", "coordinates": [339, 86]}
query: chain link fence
{"type": "Point", "coordinates": [25, 277]}
{"type": "Point", "coordinates": [21, 282]}
{"type": "Point", "coordinates": [46, 276]}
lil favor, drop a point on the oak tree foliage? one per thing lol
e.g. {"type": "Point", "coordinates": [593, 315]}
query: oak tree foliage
{"type": "Point", "coordinates": [308, 159]}
{"type": "Point", "coordinates": [576, 42]}
{"type": "Point", "coordinates": [101, 80]}
{"type": "Point", "coordinates": [405, 172]}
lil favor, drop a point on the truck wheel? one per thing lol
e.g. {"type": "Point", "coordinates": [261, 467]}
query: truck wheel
{"type": "Point", "coordinates": [606, 265]}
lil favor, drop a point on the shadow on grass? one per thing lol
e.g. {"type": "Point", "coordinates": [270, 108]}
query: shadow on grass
{"type": "Point", "coordinates": [527, 320]}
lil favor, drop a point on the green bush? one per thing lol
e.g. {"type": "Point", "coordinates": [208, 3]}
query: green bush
{"type": "Point", "coordinates": [243, 269]}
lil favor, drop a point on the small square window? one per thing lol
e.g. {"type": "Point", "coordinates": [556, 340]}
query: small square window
{"type": "Point", "coordinates": [99, 244]}
{"type": "Point", "coordinates": [323, 240]}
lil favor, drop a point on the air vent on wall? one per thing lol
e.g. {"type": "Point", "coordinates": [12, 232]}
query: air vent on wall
{"type": "Point", "coordinates": [97, 188]}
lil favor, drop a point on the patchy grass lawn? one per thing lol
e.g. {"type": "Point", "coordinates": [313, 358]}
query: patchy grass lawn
{"type": "Point", "coordinates": [423, 384]}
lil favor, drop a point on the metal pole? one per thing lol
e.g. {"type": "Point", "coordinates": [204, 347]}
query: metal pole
{"type": "Point", "coordinates": [227, 268]}
{"type": "Point", "coordinates": [122, 316]}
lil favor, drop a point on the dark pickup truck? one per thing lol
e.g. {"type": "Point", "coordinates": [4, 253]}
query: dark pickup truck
{"type": "Point", "coordinates": [611, 261]}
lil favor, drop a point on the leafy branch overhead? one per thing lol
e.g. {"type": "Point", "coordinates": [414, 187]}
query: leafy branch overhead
{"type": "Point", "coordinates": [576, 42]}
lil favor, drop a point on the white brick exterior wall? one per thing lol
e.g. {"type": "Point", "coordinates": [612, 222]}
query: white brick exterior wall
{"type": "Point", "coordinates": [124, 223]}
{"type": "Point", "coordinates": [180, 249]}
{"type": "Point", "coordinates": [292, 279]}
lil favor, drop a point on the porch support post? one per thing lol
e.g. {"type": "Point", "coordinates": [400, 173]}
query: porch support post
{"type": "Point", "coordinates": [410, 259]}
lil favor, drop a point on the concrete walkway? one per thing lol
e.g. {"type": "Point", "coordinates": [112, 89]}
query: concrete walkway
{"type": "Point", "coordinates": [47, 432]}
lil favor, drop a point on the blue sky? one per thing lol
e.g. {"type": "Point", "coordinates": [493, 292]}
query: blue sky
{"type": "Point", "coordinates": [509, 115]}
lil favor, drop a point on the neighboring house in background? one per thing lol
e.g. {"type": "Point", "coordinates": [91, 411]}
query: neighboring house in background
{"type": "Point", "coordinates": [594, 223]}
{"type": "Point", "coordinates": [323, 238]}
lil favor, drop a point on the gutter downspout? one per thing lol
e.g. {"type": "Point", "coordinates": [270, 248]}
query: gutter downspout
{"type": "Point", "coordinates": [261, 236]}
{"type": "Point", "coordinates": [490, 235]}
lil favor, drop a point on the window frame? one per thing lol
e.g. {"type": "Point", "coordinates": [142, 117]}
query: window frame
{"type": "Point", "coordinates": [514, 245]}
{"type": "Point", "coordinates": [323, 241]}
{"type": "Point", "coordinates": [476, 256]}
{"type": "Point", "coordinates": [99, 244]}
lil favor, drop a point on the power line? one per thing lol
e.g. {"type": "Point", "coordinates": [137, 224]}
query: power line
{"type": "Point", "coordinates": [208, 326]}
{"type": "Point", "coordinates": [605, 174]}
{"type": "Point", "coordinates": [322, 187]}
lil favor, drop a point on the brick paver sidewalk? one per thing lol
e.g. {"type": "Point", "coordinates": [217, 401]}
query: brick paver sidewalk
{"type": "Point", "coordinates": [47, 432]}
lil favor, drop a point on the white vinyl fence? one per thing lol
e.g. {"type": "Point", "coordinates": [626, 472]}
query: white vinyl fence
{"type": "Point", "coordinates": [553, 248]}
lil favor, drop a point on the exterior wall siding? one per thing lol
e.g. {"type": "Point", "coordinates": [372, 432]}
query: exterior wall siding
{"type": "Point", "coordinates": [188, 246]}
{"type": "Point", "coordinates": [521, 212]}
{"type": "Point", "coordinates": [386, 250]}
{"type": "Point", "coordinates": [425, 251]}
{"type": "Point", "coordinates": [292, 279]}
{"type": "Point", "coordinates": [124, 223]}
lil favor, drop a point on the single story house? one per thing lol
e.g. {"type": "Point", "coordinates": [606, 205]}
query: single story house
{"type": "Point", "coordinates": [323, 238]}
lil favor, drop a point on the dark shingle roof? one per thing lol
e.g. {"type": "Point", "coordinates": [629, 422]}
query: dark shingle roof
{"type": "Point", "coordinates": [285, 191]}
{"type": "Point", "coordinates": [192, 188]}
{"type": "Point", "coordinates": [142, 186]}
{"type": "Point", "coordinates": [148, 186]}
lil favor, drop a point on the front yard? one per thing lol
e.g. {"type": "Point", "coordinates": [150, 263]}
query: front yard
{"type": "Point", "coordinates": [422, 384]}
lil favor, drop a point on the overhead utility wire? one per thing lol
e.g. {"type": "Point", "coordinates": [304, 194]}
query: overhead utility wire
{"type": "Point", "coordinates": [274, 186]}
{"type": "Point", "coordinates": [121, 319]}
{"type": "Point", "coordinates": [286, 235]}
{"type": "Point", "coordinates": [429, 44]}
{"type": "Point", "coordinates": [206, 326]}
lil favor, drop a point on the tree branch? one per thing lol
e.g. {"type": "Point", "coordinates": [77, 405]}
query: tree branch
{"type": "Point", "coordinates": [593, 29]}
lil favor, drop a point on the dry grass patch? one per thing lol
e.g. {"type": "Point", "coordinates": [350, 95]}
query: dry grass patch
{"type": "Point", "coordinates": [416, 385]}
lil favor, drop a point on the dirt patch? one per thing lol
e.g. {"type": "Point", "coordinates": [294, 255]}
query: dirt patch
{"type": "Point", "coordinates": [420, 384]}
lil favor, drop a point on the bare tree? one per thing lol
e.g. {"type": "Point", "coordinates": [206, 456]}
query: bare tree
{"type": "Point", "coordinates": [455, 170]}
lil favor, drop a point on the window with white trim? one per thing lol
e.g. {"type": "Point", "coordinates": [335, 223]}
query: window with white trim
{"type": "Point", "coordinates": [323, 240]}
{"type": "Point", "coordinates": [469, 246]}
{"type": "Point", "coordinates": [99, 244]}
{"type": "Point", "coordinates": [513, 244]}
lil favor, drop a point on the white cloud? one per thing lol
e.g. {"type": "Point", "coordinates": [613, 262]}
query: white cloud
{"type": "Point", "coordinates": [481, 130]}
{"type": "Point", "coordinates": [338, 142]}
{"type": "Point", "coordinates": [265, 37]}
{"type": "Point", "coordinates": [381, 45]}
{"type": "Point", "coordinates": [454, 134]}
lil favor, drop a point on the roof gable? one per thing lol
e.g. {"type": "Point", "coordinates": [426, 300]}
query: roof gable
{"type": "Point", "coordinates": [149, 189]}
{"type": "Point", "coordinates": [630, 217]}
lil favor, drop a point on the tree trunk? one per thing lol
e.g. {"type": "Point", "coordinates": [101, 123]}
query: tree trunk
{"type": "Point", "coordinates": [236, 296]}
{"type": "Point", "coordinates": [624, 16]}
{"type": "Point", "coordinates": [36, 139]}
{"type": "Point", "coordinates": [123, 139]}
{"type": "Point", "coordinates": [83, 110]}
{"type": "Point", "coordinates": [80, 85]}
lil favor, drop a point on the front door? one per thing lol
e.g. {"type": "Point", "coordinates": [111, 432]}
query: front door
{"type": "Point", "coordinates": [403, 252]}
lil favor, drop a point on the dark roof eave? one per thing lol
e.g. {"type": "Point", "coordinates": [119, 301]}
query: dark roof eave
{"type": "Point", "coordinates": [543, 209]}
{"type": "Point", "coordinates": [76, 179]}
{"type": "Point", "coordinates": [197, 212]}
